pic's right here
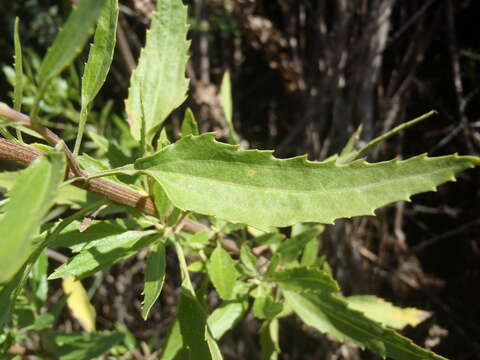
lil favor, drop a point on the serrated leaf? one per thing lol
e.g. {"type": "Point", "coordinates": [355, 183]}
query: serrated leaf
{"type": "Point", "coordinates": [29, 201]}
{"type": "Point", "coordinates": [103, 253]}
{"type": "Point", "coordinates": [385, 312]}
{"type": "Point", "coordinates": [208, 177]}
{"type": "Point", "coordinates": [222, 272]}
{"type": "Point", "coordinates": [154, 277]}
{"type": "Point", "coordinates": [158, 84]}
{"type": "Point", "coordinates": [329, 313]}
{"type": "Point", "coordinates": [189, 124]}
{"type": "Point", "coordinates": [78, 303]}
{"type": "Point", "coordinates": [79, 346]}
{"type": "Point", "coordinates": [98, 63]}
{"type": "Point", "coordinates": [101, 52]}
{"type": "Point", "coordinates": [303, 279]}
{"type": "Point", "coordinates": [70, 39]}
{"type": "Point", "coordinates": [224, 317]}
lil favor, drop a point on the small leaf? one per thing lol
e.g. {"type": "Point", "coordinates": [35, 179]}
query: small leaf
{"type": "Point", "coordinates": [302, 279]}
{"type": "Point", "coordinates": [30, 199]}
{"type": "Point", "coordinates": [39, 279]}
{"type": "Point", "coordinates": [162, 202]}
{"type": "Point", "coordinates": [158, 84]}
{"type": "Point", "coordinates": [154, 277]}
{"type": "Point", "coordinates": [79, 346]}
{"type": "Point", "coordinates": [173, 343]}
{"type": "Point", "coordinates": [269, 340]}
{"type": "Point", "coordinates": [329, 313]}
{"type": "Point", "coordinates": [70, 39]}
{"type": "Point", "coordinates": [290, 249]}
{"type": "Point", "coordinates": [222, 272]}
{"type": "Point", "coordinates": [189, 124]}
{"type": "Point", "coordinates": [78, 303]}
{"type": "Point", "coordinates": [224, 317]}
{"type": "Point", "coordinates": [386, 313]}
{"type": "Point", "coordinates": [248, 258]}
{"type": "Point", "coordinates": [103, 253]}
{"type": "Point", "coordinates": [101, 52]}
{"type": "Point", "coordinates": [202, 175]}
{"type": "Point", "coordinates": [18, 90]}
{"type": "Point", "coordinates": [227, 105]}
{"type": "Point", "coordinates": [265, 307]}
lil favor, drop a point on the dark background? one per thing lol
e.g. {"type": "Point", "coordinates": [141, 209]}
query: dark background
{"type": "Point", "coordinates": [305, 74]}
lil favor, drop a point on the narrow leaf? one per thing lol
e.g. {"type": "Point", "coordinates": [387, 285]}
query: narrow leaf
{"type": "Point", "coordinates": [291, 248]}
{"type": "Point", "coordinates": [189, 124]}
{"type": "Point", "coordinates": [78, 303]}
{"type": "Point", "coordinates": [248, 258]}
{"type": "Point", "coordinates": [222, 272]}
{"type": "Point", "coordinates": [227, 105]}
{"type": "Point", "coordinates": [101, 254]}
{"type": "Point", "coordinates": [224, 317]}
{"type": "Point", "coordinates": [30, 199]}
{"type": "Point", "coordinates": [158, 84]}
{"type": "Point", "coordinates": [154, 277]}
{"type": "Point", "coordinates": [18, 91]}
{"type": "Point", "coordinates": [208, 177]}
{"type": "Point", "coordinates": [329, 313]}
{"type": "Point", "coordinates": [70, 39]}
{"type": "Point", "coordinates": [269, 340]}
{"type": "Point", "coordinates": [304, 279]}
{"type": "Point", "coordinates": [99, 61]}
{"type": "Point", "coordinates": [173, 343]}
{"type": "Point", "coordinates": [386, 313]}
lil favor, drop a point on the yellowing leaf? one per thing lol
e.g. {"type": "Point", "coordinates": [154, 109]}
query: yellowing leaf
{"type": "Point", "coordinates": [386, 313]}
{"type": "Point", "coordinates": [78, 303]}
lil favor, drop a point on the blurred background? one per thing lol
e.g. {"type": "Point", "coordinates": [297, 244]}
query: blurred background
{"type": "Point", "coordinates": [305, 74]}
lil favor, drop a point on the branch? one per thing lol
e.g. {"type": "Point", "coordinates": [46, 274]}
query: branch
{"type": "Point", "coordinates": [23, 155]}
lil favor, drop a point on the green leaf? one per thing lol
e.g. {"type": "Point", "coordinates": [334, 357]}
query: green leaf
{"type": "Point", "coordinates": [329, 313]}
{"type": "Point", "coordinates": [173, 343]}
{"type": "Point", "coordinates": [248, 258]}
{"type": "Point", "coordinates": [30, 199]}
{"type": "Point", "coordinates": [269, 340]}
{"type": "Point", "coordinates": [227, 105]}
{"type": "Point", "coordinates": [39, 283]}
{"type": "Point", "coordinates": [154, 277]}
{"type": "Point", "coordinates": [103, 253]}
{"type": "Point", "coordinates": [99, 230]}
{"type": "Point", "coordinates": [303, 279]}
{"type": "Point", "coordinates": [224, 317]}
{"type": "Point", "coordinates": [386, 313]}
{"type": "Point", "coordinates": [18, 91]}
{"type": "Point", "coordinates": [70, 39]}
{"type": "Point", "coordinates": [79, 346]}
{"type": "Point", "coordinates": [99, 61]}
{"type": "Point", "coordinates": [158, 84]}
{"type": "Point", "coordinates": [290, 249]}
{"type": "Point", "coordinates": [192, 319]}
{"type": "Point", "coordinates": [265, 307]}
{"type": "Point", "coordinates": [208, 177]}
{"type": "Point", "coordinates": [189, 124]}
{"type": "Point", "coordinates": [222, 272]}
{"type": "Point", "coordinates": [8, 294]}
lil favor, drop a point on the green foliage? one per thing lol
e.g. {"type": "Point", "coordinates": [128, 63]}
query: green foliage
{"type": "Point", "coordinates": [285, 192]}
{"type": "Point", "coordinates": [235, 199]}
{"type": "Point", "coordinates": [158, 84]}
{"type": "Point", "coordinates": [32, 196]}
